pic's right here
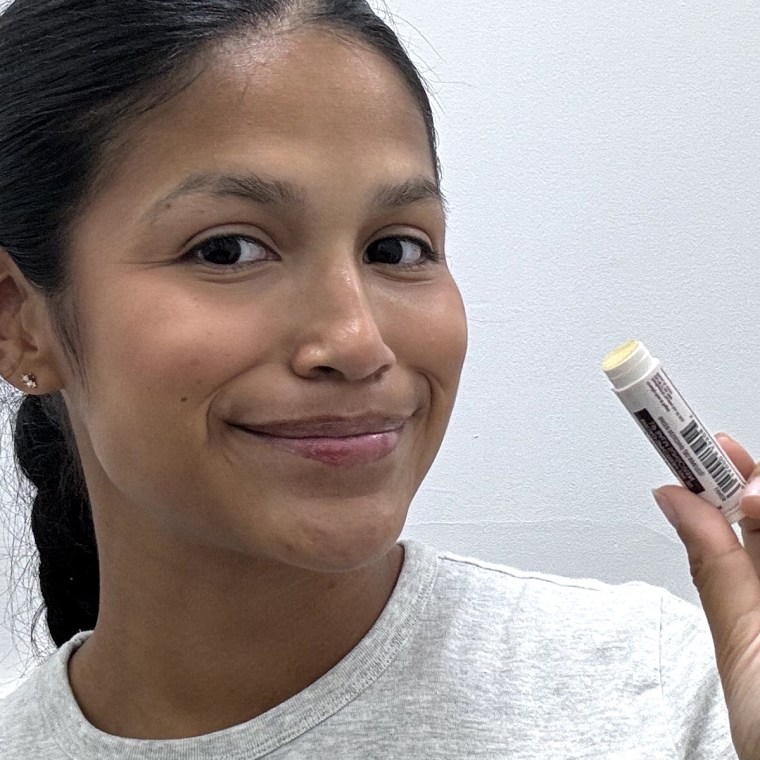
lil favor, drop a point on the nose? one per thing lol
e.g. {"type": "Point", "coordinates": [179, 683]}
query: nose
{"type": "Point", "coordinates": [338, 330]}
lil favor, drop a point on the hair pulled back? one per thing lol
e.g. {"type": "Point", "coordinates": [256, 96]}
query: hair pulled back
{"type": "Point", "coordinates": [74, 74]}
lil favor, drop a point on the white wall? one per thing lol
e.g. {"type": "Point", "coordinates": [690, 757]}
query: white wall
{"type": "Point", "coordinates": [601, 160]}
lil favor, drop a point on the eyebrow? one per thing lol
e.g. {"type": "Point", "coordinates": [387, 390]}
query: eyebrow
{"type": "Point", "coordinates": [269, 192]}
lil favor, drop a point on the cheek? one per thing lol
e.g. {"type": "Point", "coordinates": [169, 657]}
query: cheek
{"type": "Point", "coordinates": [430, 336]}
{"type": "Point", "coordinates": [163, 342]}
{"type": "Point", "coordinates": [157, 357]}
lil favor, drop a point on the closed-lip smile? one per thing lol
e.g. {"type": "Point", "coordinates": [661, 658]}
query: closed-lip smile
{"type": "Point", "coordinates": [328, 426]}
{"type": "Point", "coordinates": [333, 441]}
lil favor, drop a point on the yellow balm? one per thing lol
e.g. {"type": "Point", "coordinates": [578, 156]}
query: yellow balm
{"type": "Point", "coordinates": [618, 355]}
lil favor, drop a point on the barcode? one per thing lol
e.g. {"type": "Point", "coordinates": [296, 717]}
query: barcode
{"type": "Point", "coordinates": [701, 444]}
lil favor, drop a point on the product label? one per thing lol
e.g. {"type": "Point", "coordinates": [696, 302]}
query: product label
{"type": "Point", "coordinates": [657, 436]}
{"type": "Point", "coordinates": [712, 458]}
{"type": "Point", "coordinates": [690, 451]}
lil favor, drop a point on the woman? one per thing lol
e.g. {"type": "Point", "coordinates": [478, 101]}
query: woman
{"type": "Point", "coordinates": [225, 297]}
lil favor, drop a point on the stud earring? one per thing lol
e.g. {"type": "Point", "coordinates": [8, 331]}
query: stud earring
{"type": "Point", "coordinates": [30, 380]}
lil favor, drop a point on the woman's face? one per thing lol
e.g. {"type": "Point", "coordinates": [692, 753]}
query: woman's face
{"type": "Point", "coordinates": [257, 268]}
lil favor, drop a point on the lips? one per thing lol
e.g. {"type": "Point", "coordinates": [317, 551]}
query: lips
{"type": "Point", "coordinates": [338, 442]}
{"type": "Point", "coordinates": [328, 427]}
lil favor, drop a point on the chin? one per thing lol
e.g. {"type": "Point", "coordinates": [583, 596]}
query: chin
{"type": "Point", "coordinates": [343, 547]}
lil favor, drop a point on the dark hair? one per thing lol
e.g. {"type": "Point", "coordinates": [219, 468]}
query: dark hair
{"type": "Point", "coordinates": [74, 75]}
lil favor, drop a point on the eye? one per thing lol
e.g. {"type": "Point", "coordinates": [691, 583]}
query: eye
{"type": "Point", "coordinates": [401, 251]}
{"type": "Point", "coordinates": [229, 251]}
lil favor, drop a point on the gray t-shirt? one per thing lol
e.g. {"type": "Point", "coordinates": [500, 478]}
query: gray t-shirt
{"type": "Point", "coordinates": [468, 660]}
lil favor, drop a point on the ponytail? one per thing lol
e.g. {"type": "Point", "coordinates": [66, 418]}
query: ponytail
{"type": "Point", "coordinates": [61, 517]}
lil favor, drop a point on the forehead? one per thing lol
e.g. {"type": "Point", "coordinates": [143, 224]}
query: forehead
{"type": "Point", "coordinates": [289, 101]}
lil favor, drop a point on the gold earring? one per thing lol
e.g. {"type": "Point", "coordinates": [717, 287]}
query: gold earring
{"type": "Point", "coordinates": [30, 380]}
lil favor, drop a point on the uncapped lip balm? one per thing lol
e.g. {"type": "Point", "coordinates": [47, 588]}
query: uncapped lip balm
{"type": "Point", "coordinates": [691, 452]}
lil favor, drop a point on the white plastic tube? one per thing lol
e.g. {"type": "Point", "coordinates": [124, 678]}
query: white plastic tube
{"type": "Point", "coordinates": [691, 452]}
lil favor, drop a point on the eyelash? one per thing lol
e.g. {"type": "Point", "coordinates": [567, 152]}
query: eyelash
{"type": "Point", "coordinates": [429, 255]}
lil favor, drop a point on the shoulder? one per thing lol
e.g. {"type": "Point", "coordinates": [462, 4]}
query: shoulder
{"type": "Point", "coordinates": [578, 617]}
{"type": "Point", "coordinates": [458, 572]}
{"type": "Point", "coordinates": [22, 722]}
{"type": "Point", "coordinates": [31, 716]}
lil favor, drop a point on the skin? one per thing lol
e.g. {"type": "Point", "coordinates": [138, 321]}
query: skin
{"type": "Point", "coordinates": [234, 574]}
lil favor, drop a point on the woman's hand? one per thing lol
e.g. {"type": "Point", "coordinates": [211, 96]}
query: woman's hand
{"type": "Point", "coordinates": [727, 577]}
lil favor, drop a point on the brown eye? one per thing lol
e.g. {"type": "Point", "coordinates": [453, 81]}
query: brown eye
{"type": "Point", "coordinates": [400, 251]}
{"type": "Point", "coordinates": [229, 251]}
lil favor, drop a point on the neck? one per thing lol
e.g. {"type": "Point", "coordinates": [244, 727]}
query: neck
{"type": "Point", "coordinates": [188, 653]}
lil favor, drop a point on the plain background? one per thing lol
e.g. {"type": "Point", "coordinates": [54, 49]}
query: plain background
{"type": "Point", "coordinates": [601, 164]}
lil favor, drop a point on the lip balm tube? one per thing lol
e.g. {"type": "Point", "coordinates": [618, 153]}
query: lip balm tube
{"type": "Point", "coordinates": [691, 452]}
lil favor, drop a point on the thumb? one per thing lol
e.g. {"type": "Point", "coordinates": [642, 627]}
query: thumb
{"type": "Point", "coordinates": [722, 571]}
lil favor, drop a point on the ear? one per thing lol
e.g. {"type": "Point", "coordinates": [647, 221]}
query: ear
{"type": "Point", "coordinates": [27, 341]}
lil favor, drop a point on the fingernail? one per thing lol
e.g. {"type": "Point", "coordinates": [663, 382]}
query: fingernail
{"type": "Point", "coordinates": [724, 435]}
{"type": "Point", "coordinates": [752, 488]}
{"type": "Point", "coordinates": [666, 507]}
